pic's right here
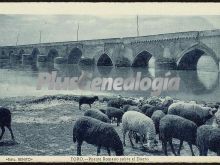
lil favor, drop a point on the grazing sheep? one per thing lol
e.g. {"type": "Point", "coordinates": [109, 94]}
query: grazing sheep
{"type": "Point", "coordinates": [140, 124]}
{"type": "Point", "coordinates": [165, 104]}
{"type": "Point", "coordinates": [103, 110]}
{"type": "Point", "coordinates": [5, 121]}
{"type": "Point", "coordinates": [96, 114]}
{"type": "Point", "coordinates": [97, 133]}
{"type": "Point", "coordinates": [217, 118]}
{"type": "Point", "coordinates": [119, 102]}
{"type": "Point", "coordinates": [208, 137]}
{"type": "Point", "coordinates": [193, 112]}
{"type": "Point", "coordinates": [125, 107]}
{"type": "Point", "coordinates": [154, 100]}
{"type": "Point", "coordinates": [148, 109]}
{"type": "Point", "coordinates": [173, 126]}
{"type": "Point", "coordinates": [156, 117]}
{"type": "Point", "coordinates": [87, 100]}
{"type": "Point", "coordinates": [130, 108]}
{"type": "Point", "coordinates": [136, 136]}
{"type": "Point", "coordinates": [112, 112]}
{"type": "Point", "coordinates": [212, 105]}
{"type": "Point", "coordinates": [145, 107]}
{"type": "Point", "coordinates": [130, 101]}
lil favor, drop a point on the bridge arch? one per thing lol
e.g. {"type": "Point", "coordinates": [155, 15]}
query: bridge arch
{"type": "Point", "coordinates": [189, 58]}
{"type": "Point", "coordinates": [20, 52]}
{"type": "Point", "coordinates": [3, 54]}
{"type": "Point", "coordinates": [104, 60]}
{"type": "Point", "coordinates": [34, 53]}
{"type": "Point", "coordinates": [142, 59]}
{"type": "Point", "coordinates": [11, 52]}
{"type": "Point", "coordinates": [74, 56]}
{"type": "Point", "coordinates": [52, 54]}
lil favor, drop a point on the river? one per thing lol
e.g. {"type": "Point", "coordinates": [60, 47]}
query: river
{"type": "Point", "coordinates": [201, 84]}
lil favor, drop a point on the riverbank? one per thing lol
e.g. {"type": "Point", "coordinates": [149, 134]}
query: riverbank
{"type": "Point", "coordinates": [43, 126]}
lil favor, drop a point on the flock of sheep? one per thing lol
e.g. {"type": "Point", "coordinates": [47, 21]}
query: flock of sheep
{"type": "Point", "coordinates": [143, 119]}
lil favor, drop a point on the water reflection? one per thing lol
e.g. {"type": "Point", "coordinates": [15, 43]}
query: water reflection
{"type": "Point", "coordinates": [104, 71]}
{"type": "Point", "coordinates": [15, 78]}
{"type": "Point", "coordinates": [69, 70]}
{"type": "Point", "coordinates": [198, 82]}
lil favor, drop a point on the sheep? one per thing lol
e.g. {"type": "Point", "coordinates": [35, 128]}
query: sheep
{"type": "Point", "coordinates": [148, 109]}
{"type": "Point", "coordinates": [212, 105]}
{"type": "Point", "coordinates": [140, 124]}
{"type": "Point", "coordinates": [119, 102]}
{"type": "Point", "coordinates": [5, 121]}
{"type": "Point", "coordinates": [165, 104]}
{"type": "Point", "coordinates": [152, 106]}
{"type": "Point", "coordinates": [128, 107]}
{"type": "Point", "coordinates": [112, 112]}
{"type": "Point", "coordinates": [103, 110]}
{"type": "Point", "coordinates": [97, 133]}
{"type": "Point", "coordinates": [156, 117]}
{"type": "Point", "coordinates": [193, 112]}
{"type": "Point", "coordinates": [208, 137]}
{"type": "Point", "coordinates": [153, 101]}
{"type": "Point", "coordinates": [145, 107]}
{"type": "Point", "coordinates": [217, 118]}
{"type": "Point", "coordinates": [96, 114]}
{"type": "Point", "coordinates": [136, 136]}
{"type": "Point", "coordinates": [87, 100]}
{"type": "Point", "coordinates": [173, 126]}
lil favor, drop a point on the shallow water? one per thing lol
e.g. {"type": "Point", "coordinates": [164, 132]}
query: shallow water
{"type": "Point", "coordinates": [200, 85]}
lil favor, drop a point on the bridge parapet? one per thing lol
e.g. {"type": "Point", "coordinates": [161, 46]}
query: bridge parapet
{"type": "Point", "coordinates": [170, 47]}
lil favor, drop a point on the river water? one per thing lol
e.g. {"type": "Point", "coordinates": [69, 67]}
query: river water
{"type": "Point", "coordinates": [200, 85]}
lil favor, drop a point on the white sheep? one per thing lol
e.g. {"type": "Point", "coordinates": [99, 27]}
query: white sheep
{"type": "Point", "coordinates": [217, 118]}
{"type": "Point", "coordinates": [133, 121]}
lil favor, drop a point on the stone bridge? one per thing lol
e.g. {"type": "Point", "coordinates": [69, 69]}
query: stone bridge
{"type": "Point", "coordinates": [180, 50]}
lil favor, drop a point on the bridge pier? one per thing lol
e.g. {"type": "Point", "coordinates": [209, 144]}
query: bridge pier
{"type": "Point", "coordinates": [219, 66]}
{"type": "Point", "coordinates": [42, 60]}
{"type": "Point", "coordinates": [166, 63]}
{"type": "Point", "coordinates": [14, 58]}
{"type": "Point", "coordinates": [26, 59]}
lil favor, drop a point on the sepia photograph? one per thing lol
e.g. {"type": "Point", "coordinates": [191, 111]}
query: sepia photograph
{"type": "Point", "coordinates": [117, 86]}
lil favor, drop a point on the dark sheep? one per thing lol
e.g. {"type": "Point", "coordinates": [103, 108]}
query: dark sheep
{"type": "Point", "coordinates": [173, 126]}
{"type": "Point", "coordinates": [130, 102]}
{"type": "Point", "coordinates": [87, 100]}
{"type": "Point", "coordinates": [148, 109]}
{"type": "Point", "coordinates": [156, 117]}
{"type": "Point", "coordinates": [119, 102]}
{"type": "Point", "coordinates": [96, 114]}
{"type": "Point", "coordinates": [145, 107]}
{"type": "Point", "coordinates": [153, 101]}
{"type": "Point", "coordinates": [5, 121]}
{"type": "Point", "coordinates": [112, 112]}
{"type": "Point", "coordinates": [128, 107]}
{"type": "Point", "coordinates": [97, 133]}
{"type": "Point", "coordinates": [165, 105]}
{"type": "Point", "coordinates": [208, 137]}
{"type": "Point", "coordinates": [125, 107]}
{"type": "Point", "coordinates": [136, 136]}
{"type": "Point", "coordinates": [193, 112]}
{"type": "Point", "coordinates": [212, 105]}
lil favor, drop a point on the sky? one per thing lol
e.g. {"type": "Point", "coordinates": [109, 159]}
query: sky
{"type": "Point", "coordinates": [58, 28]}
